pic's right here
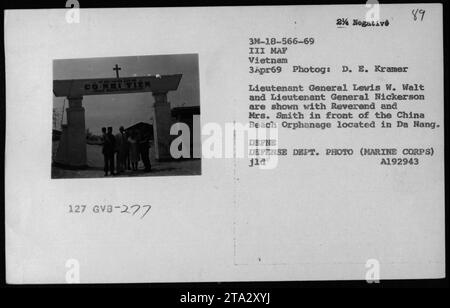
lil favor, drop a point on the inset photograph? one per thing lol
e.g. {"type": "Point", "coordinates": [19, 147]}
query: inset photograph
{"type": "Point", "coordinates": [126, 116]}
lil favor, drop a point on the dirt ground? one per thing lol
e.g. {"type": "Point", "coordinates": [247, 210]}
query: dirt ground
{"type": "Point", "coordinates": [95, 169]}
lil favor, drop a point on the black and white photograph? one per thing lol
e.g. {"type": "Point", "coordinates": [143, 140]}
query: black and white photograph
{"type": "Point", "coordinates": [113, 116]}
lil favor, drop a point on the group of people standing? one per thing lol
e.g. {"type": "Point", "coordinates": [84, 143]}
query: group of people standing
{"type": "Point", "coordinates": [125, 150]}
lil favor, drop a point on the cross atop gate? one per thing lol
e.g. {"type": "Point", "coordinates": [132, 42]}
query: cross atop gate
{"type": "Point", "coordinates": [117, 69]}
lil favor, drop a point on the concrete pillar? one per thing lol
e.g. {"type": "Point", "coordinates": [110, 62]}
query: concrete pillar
{"type": "Point", "coordinates": [161, 126]}
{"type": "Point", "coordinates": [72, 146]}
{"type": "Point", "coordinates": [61, 153]}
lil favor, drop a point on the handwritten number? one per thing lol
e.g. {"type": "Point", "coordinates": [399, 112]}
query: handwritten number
{"type": "Point", "coordinates": [137, 208]}
{"type": "Point", "coordinates": [148, 209]}
{"type": "Point", "coordinates": [418, 13]}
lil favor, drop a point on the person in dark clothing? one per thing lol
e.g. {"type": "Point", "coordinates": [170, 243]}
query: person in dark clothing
{"type": "Point", "coordinates": [104, 146]}
{"type": "Point", "coordinates": [144, 145]}
{"type": "Point", "coordinates": [109, 144]}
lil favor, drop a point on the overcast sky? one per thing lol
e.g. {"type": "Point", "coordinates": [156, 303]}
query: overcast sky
{"type": "Point", "coordinates": [127, 109]}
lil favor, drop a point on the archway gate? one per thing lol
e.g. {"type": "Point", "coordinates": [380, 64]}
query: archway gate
{"type": "Point", "coordinates": [72, 147]}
